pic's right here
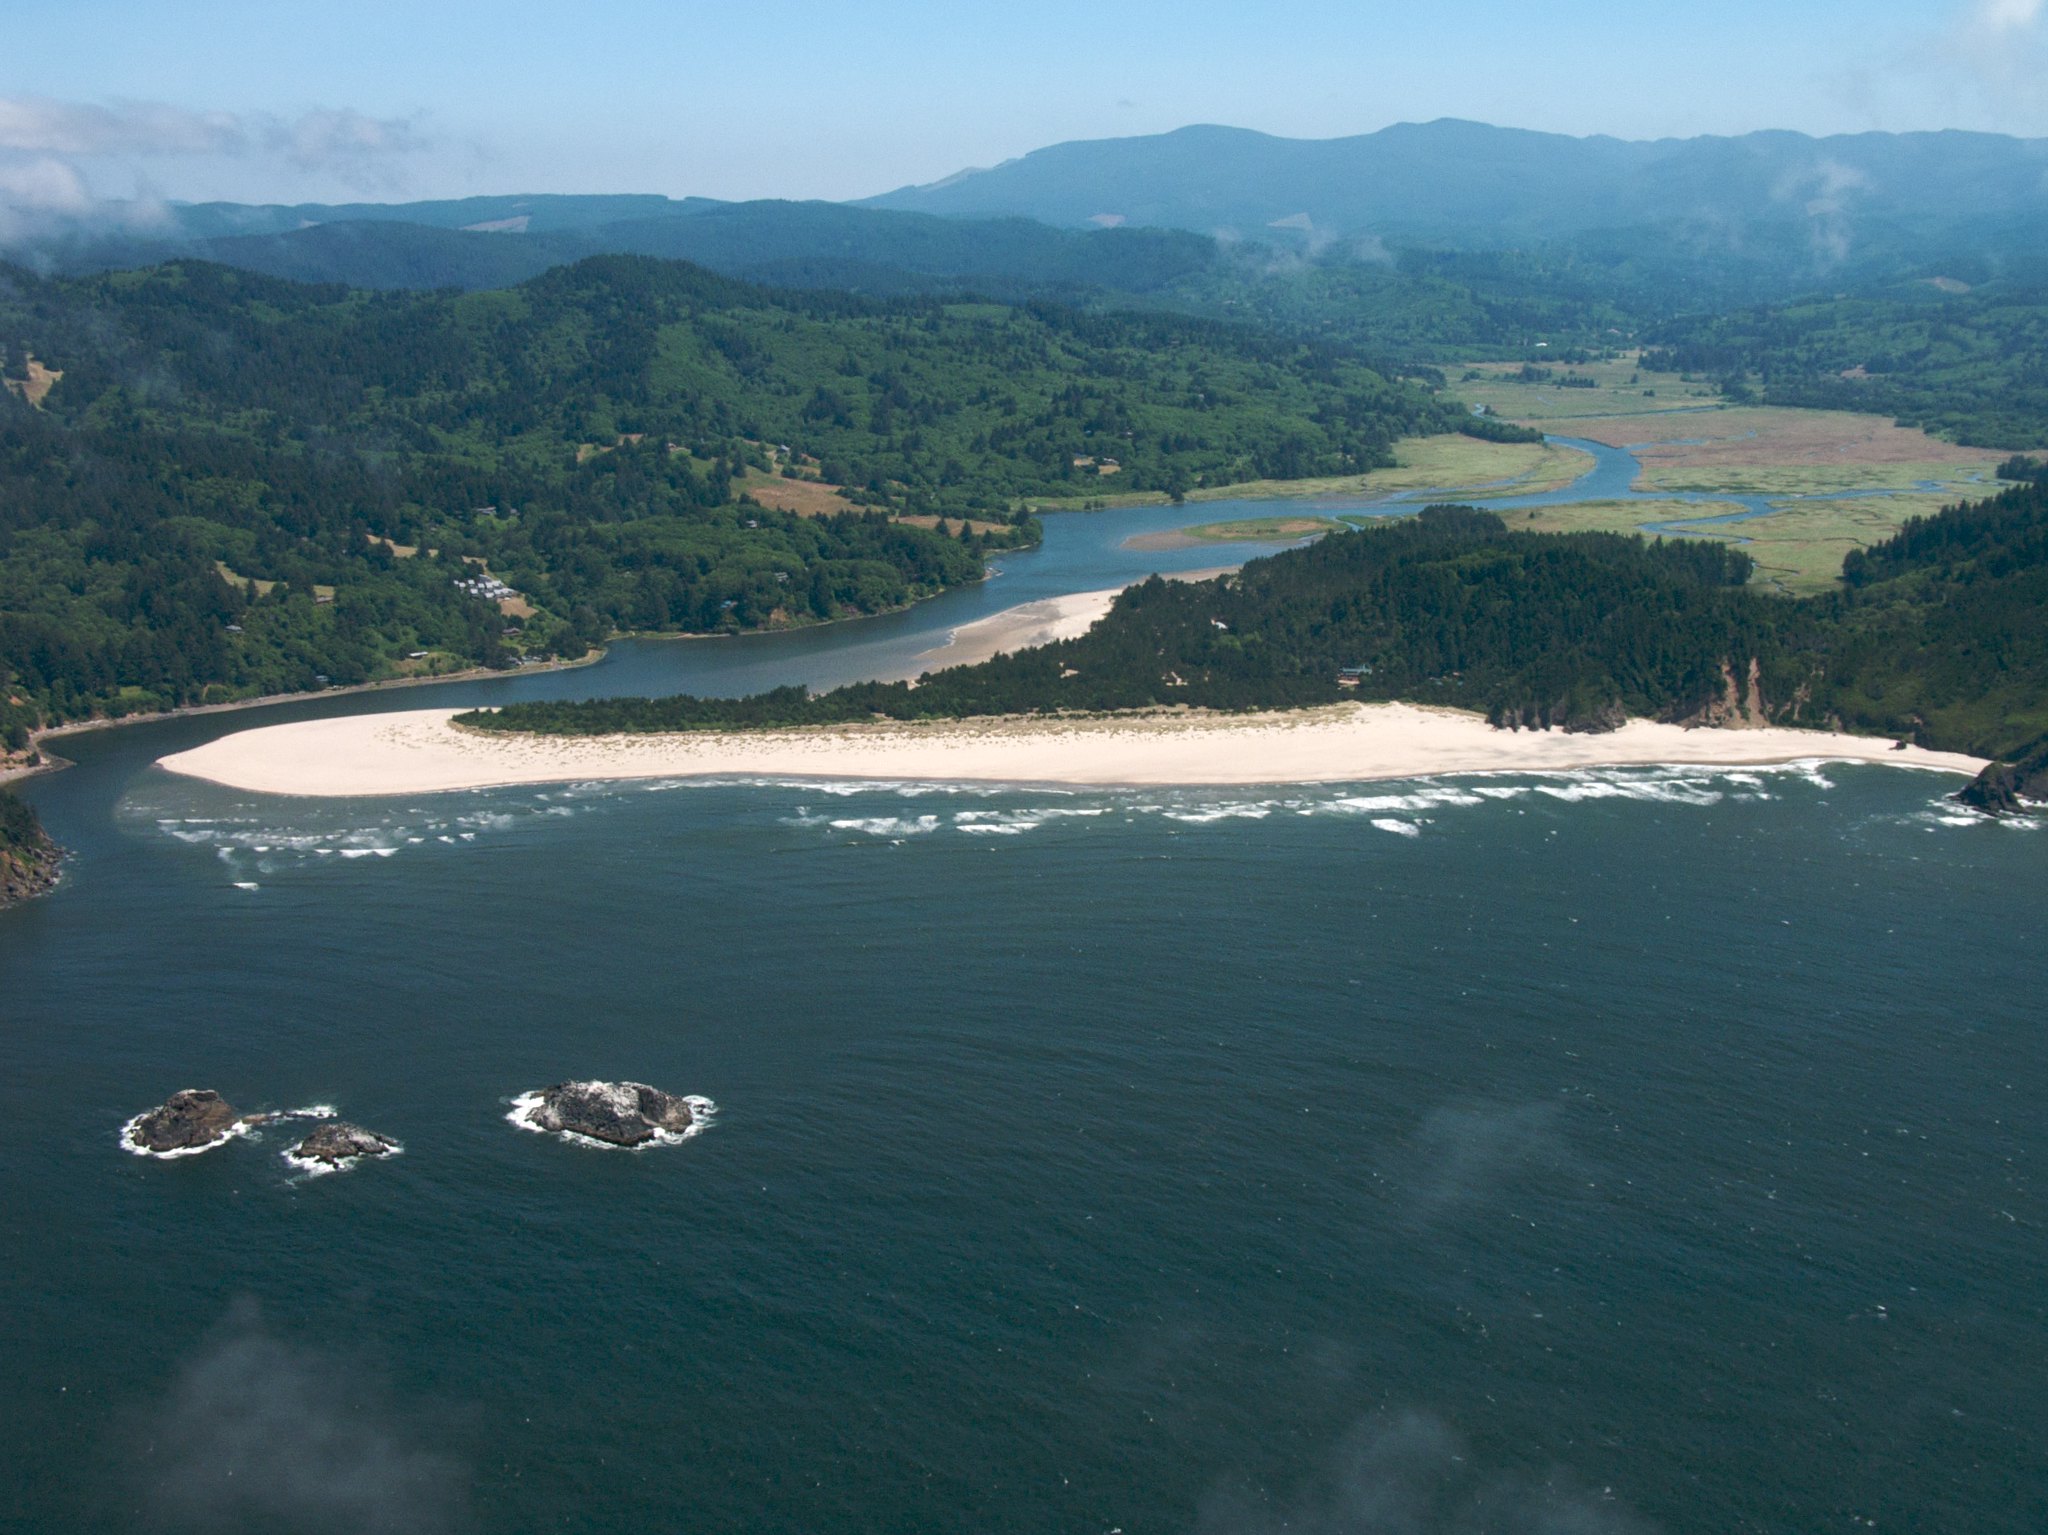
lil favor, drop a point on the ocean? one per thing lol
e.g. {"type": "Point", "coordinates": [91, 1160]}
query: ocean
{"type": "Point", "coordinates": [1646, 1149]}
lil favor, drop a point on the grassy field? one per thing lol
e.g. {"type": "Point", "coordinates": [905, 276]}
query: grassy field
{"type": "Point", "coordinates": [1458, 464]}
{"type": "Point", "coordinates": [1261, 529]}
{"type": "Point", "coordinates": [1620, 388]}
{"type": "Point", "coordinates": [1798, 548]}
{"type": "Point", "coordinates": [1767, 450]}
{"type": "Point", "coordinates": [1711, 449]}
{"type": "Point", "coordinates": [1714, 448]}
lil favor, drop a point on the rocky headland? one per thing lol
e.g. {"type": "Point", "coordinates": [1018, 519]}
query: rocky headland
{"type": "Point", "coordinates": [28, 858]}
{"type": "Point", "coordinates": [614, 1113]}
{"type": "Point", "coordinates": [2010, 788]}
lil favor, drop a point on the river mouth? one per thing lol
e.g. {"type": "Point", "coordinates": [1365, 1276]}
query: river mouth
{"type": "Point", "coordinates": [1081, 552]}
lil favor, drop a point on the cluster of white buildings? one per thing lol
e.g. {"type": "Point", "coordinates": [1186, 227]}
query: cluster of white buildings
{"type": "Point", "coordinates": [488, 587]}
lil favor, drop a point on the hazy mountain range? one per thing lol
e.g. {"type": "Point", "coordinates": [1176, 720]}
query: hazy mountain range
{"type": "Point", "coordinates": [1209, 218]}
{"type": "Point", "coordinates": [1469, 184]}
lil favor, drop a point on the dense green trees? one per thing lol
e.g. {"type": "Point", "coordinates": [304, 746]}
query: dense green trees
{"type": "Point", "coordinates": [1964, 365]}
{"type": "Point", "coordinates": [1937, 637]}
{"type": "Point", "coordinates": [244, 485]}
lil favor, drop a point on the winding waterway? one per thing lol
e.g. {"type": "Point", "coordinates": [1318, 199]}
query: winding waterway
{"type": "Point", "coordinates": [1650, 1149]}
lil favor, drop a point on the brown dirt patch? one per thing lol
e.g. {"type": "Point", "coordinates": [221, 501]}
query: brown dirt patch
{"type": "Point", "coordinates": [34, 387]}
{"type": "Point", "coordinates": [953, 523]}
{"type": "Point", "coordinates": [807, 498]}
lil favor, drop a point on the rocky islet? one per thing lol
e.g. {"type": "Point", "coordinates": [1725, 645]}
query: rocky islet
{"type": "Point", "coordinates": [625, 1114]}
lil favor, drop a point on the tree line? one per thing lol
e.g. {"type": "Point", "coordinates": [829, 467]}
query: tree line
{"type": "Point", "coordinates": [1935, 637]}
{"type": "Point", "coordinates": [243, 485]}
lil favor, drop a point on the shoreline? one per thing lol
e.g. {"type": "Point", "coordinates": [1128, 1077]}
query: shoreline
{"type": "Point", "coordinates": [53, 763]}
{"type": "Point", "coordinates": [1031, 624]}
{"type": "Point", "coordinates": [1024, 627]}
{"type": "Point", "coordinates": [421, 752]}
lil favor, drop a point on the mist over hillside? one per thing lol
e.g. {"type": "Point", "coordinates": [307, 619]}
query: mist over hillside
{"type": "Point", "coordinates": [1416, 246]}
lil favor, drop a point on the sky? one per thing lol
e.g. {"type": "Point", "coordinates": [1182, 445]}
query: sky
{"type": "Point", "coordinates": [342, 100]}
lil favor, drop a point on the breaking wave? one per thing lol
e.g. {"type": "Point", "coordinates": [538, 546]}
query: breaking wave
{"type": "Point", "coordinates": [313, 1167]}
{"type": "Point", "coordinates": [1402, 810]}
{"type": "Point", "coordinates": [255, 839]}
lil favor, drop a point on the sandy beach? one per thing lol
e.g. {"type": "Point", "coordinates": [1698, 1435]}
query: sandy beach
{"type": "Point", "coordinates": [1020, 628]}
{"type": "Point", "coordinates": [421, 752]}
{"type": "Point", "coordinates": [1031, 624]}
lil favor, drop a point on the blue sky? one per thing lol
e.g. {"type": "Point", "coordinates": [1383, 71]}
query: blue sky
{"type": "Point", "coordinates": [290, 100]}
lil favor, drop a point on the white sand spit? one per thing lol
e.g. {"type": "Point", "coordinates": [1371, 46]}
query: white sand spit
{"type": "Point", "coordinates": [1021, 628]}
{"type": "Point", "coordinates": [421, 752]}
{"type": "Point", "coordinates": [1031, 624]}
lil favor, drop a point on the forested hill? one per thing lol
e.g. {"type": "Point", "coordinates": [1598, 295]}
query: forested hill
{"type": "Point", "coordinates": [214, 484]}
{"type": "Point", "coordinates": [1937, 638]}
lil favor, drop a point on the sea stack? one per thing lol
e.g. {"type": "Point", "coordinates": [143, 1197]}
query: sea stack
{"type": "Point", "coordinates": [190, 1120]}
{"type": "Point", "coordinates": [338, 1143]}
{"type": "Point", "coordinates": [616, 1113]}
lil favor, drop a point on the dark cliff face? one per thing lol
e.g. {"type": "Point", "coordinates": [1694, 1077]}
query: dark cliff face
{"type": "Point", "coordinates": [2004, 788]}
{"type": "Point", "coordinates": [28, 858]}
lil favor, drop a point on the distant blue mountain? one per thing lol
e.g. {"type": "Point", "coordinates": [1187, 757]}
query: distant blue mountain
{"type": "Point", "coordinates": [1475, 186]}
{"type": "Point", "coordinates": [498, 241]}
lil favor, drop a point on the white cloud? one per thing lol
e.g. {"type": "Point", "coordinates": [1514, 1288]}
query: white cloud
{"type": "Point", "coordinates": [1996, 50]}
{"type": "Point", "coordinates": [324, 139]}
{"type": "Point", "coordinates": [1998, 16]}
{"type": "Point", "coordinates": [44, 183]}
{"type": "Point", "coordinates": [51, 151]}
{"type": "Point", "coordinates": [37, 124]}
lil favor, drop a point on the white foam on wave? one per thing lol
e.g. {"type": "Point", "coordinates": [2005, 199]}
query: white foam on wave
{"type": "Point", "coordinates": [1690, 786]}
{"type": "Point", "coordinates": [260, 844]}
{"type": "Point", "coordinates": [314, 1167]}
{"type": "Point", "coordinates": [891, 826]}
{"type": "Point", "coordinates": [1399, 828]}
{"type": "Point", "coordinates": [1013, 823]}
{"type": "Point", "coordinates": [1420, 799]}
{"type": "Point", "coordinates": [1256, 810]}
{"type": "Point", "coordinates": [702, 1111]}
{"type": "Point", "coordinates": [521, 1114]}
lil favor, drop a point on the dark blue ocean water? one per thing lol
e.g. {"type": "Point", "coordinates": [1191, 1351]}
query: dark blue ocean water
{"type": "Point", "coordinates": [1633, 1150]}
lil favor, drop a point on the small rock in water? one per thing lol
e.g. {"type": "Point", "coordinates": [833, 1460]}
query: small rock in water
{"type": "Point", "coordinates": [339, 1142]}
{"type": "Point", "coordinates": [187, 1120]}
{"type": "Point", "coordinates": [617, 1113]}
